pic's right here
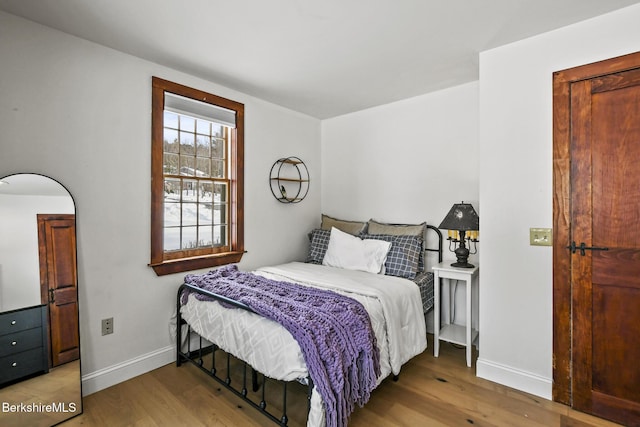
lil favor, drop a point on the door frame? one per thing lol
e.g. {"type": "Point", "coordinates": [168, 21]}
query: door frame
{"type": "Point", "coordinates": [562, 301]}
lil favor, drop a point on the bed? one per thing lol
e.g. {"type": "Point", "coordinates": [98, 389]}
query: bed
{"type": "Point", "coordinates": [218, 315]}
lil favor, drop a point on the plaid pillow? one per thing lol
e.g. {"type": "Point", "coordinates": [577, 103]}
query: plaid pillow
{"type": "Point", "coordinates": [418, 230]}
{"type": "Point", "coordinates": [403, 257]}
{"type": "Point", "coordinates": [319, 242]}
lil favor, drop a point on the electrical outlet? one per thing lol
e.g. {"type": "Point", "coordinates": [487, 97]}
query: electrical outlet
{"type": "Point", "coordinates": [107, 326]}
{"type": "Point", "coordinates": [540, 237]}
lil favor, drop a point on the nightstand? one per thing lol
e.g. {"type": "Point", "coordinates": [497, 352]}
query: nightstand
{"type": "Point", "coordinates": [457, 334]}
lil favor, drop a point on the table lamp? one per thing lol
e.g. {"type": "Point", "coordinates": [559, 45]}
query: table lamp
{"type": "Point", "coordinates": [463, 224]}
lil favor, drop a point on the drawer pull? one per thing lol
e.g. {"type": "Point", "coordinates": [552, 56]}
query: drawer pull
{"type": "Point", "coordinates": [13, 343]}
{"type": "Point", "coordinates": [14, 364]}
{"type": "Point", "coordinates": [13, 322]}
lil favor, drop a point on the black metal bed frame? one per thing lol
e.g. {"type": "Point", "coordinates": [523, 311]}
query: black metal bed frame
{"type": "Point", "coordinates": [439, 248]}
{"type": "Point", "coordinates": [196, 356]}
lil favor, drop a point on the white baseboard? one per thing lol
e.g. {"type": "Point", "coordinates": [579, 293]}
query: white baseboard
{"type": "Point", "coordinates": [492, 371]}
{"type": "Point", "coordinates": [515, 378]}
{"type": "Point", "coordinates": [126, 370]}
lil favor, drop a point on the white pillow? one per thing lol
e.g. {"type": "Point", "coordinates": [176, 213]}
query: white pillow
{"type": "Point", "coordinates": [352, 253]}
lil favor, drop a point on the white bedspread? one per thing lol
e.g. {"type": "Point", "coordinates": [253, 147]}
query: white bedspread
{"type": "Point", "coordinates": [394, 306]}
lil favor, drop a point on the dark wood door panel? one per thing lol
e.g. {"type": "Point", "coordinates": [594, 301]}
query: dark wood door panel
{"type": "Point", "coordinates": [62, 240]}
{"type": "Point", "coordinates": [621, 410]}
{"type": "Point", "coordinates": [620, 267]}
{"type": "Point", "coordinates": [615, 128]}
{"type": "Point", "coordinates": [616, 353]}
{"type": "Point", "coordinates": [65, 339]}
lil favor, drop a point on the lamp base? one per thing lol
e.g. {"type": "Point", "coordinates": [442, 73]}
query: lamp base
{"type": "Point", "coordinates": [462, 265]}
{"type": "Point", "coordinates": [462, 254]}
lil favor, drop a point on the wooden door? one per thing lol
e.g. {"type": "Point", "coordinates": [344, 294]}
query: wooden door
{"type": "Point", "coordinates": [602, 244]}
{"type": "Point", "coordinates": [58, 282]}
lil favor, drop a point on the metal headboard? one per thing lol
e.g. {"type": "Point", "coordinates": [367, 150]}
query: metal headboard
{"type": "Point", "coordinates": [439, 248]}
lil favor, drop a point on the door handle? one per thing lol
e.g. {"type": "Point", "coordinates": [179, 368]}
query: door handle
{"type": "Point", "coordinates": [583, 247]}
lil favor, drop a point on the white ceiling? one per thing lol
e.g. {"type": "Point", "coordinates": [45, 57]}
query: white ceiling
{"type": "Point", "coordinates": [29, 184]}
{"type": "Point", "coordinates": [321, 57]}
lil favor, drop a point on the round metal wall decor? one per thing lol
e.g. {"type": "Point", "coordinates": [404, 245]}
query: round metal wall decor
{"type": "Point", "coordinates": [289, 180]}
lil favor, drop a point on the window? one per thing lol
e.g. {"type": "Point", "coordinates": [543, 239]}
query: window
{"type": "Point", "coordinates": [197, 152]}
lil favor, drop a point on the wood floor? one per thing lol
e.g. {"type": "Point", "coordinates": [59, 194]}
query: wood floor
{"type": "Point", "coordinates": [60, 386]}
{"type": "Point", "coordinates": [430, 392]}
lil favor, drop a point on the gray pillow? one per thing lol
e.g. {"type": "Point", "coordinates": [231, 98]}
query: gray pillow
{"type": "Point", "coordinates": [375, 227]}
{"type": "Point", "coordinates": [351, 227]}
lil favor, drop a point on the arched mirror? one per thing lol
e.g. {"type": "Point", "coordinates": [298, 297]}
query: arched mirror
{"type": "Point", "coordinates": [40, 383]}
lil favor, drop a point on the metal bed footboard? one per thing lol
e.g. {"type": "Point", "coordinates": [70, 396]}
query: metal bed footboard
{"type": "Point", "coordinates": [196, 357]}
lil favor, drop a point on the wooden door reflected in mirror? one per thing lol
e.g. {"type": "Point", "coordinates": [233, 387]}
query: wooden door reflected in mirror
{"type": "Point", "coordinates": [40, 379]}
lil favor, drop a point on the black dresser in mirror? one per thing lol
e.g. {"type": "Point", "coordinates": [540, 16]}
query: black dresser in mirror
{"type": "Point", "coordinates": [40, 379]}
{"type": "Point", "coordinates": [23, 343]}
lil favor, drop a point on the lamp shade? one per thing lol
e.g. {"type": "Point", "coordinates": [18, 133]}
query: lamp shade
{"type": "Point", "coordinates": [462, 216]}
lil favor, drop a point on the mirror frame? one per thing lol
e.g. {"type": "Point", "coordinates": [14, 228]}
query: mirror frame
{"type": "Point", "coordinates": [18, 396]}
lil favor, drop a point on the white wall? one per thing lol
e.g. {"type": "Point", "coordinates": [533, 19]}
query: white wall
{"type": "Point", "coordinates": [81, 113]}
{"type": "Point", "coordinates": [19, 258]}
{"type": "Point", "coordinates": [405, 162]}
{"type": "Point", "coordinates": [408, 161]}
{"type": "Point", "coordinates": [516, 191]}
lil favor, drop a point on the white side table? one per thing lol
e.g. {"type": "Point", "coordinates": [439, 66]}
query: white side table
{"type": "Point", "coordinates": [457, 334]}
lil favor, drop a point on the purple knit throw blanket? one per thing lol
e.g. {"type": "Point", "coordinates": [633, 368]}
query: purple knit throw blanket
{"type": "Point", "coordinates": [333, 331]}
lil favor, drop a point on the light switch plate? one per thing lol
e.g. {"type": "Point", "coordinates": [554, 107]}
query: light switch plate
{"type": "Point", "coordinates": [540, 237]}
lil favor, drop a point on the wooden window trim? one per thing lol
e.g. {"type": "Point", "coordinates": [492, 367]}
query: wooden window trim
{"type": "Point", "coordinates": [161, 263]}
